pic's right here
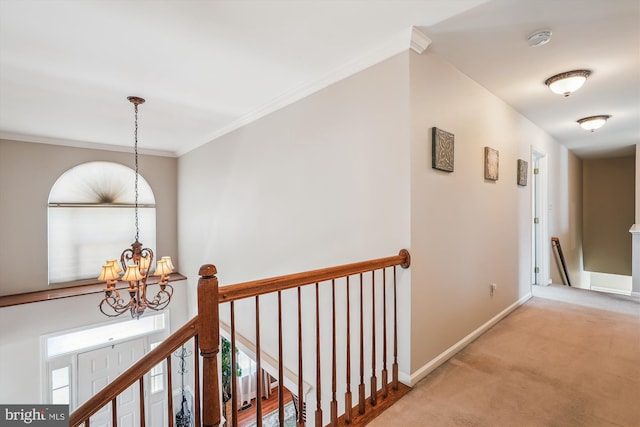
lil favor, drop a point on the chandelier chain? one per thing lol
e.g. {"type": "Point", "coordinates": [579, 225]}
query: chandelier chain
{"type": "Point", "coordinates": [135, 148]}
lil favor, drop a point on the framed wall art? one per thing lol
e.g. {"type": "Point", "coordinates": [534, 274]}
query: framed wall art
{"type": "Point", "coordinates": [491, 164]}
{"type": "Point", "coordinates": [441, 150]}
{"type": "Point", "coordinates": [523, 171]}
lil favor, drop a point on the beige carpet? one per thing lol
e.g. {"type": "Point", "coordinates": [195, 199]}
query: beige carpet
{"type": "Point", "coordinates": [549, 363]}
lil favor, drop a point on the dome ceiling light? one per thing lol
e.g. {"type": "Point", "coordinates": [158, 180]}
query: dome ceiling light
{"type": "Point", "coordinates": [567, 83]}
{"type": "Point", "coordinates": [592, 123]}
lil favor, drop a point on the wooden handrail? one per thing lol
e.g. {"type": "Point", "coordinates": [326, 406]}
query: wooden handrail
{"type": "Point", "coordinates": [280, 283]}
{"type": "Point", "coordinates": [134, 373]}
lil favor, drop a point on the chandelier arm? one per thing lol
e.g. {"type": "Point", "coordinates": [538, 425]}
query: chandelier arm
{"type": "Point", "coordinates": [147, 253]}
{"type": "Point", "coordinates": [115, 304]}
{"type": "Point", "coordinates": [127, 255]}
{"type": "Point", "coordinates": [161, 299]}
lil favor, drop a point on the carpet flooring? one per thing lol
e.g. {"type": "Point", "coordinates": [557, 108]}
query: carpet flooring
{"type": "Point", "coordinates": [549, 363]}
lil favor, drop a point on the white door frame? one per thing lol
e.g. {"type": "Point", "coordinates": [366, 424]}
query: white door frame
{"type": "Point", "coordinates": [71, 359]}
{"type": "Point", "coordinates": [539, 197]}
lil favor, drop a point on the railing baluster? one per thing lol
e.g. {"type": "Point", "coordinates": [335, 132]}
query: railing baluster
{"type": "Point", "coordinates": [347, 396]}
{"type": "Point", "coordinates": [114, 412]}
{"type": "Point", "coordinates": [385, 388]}
{"type": "Point", "coordinates": [196, 382]}
{"type": "Point", "coordinates": [280, 363]}
{"type": "Point", "coordinates": [169, 392]}
{"type": "Point", "coordinates": [395, 334]}
{"type": "Point", "coordinates": [300, 421]}
{"type": "Point", "coordinates": [334, 402]}
{"type": "Point", "coordinates": [258, 367]}
{"type": "Point", "coordinates": [361, 396]}
{"type": "Point", "coordinates": [318, 381]}
{"type": "Point", "coordinates": [374, 380]}
{"type": "Point", "coordinates": [142, 413]}
{"type": "Point", "coordinates": [234, 370]}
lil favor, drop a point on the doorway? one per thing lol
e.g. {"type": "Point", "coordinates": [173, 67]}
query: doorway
{"type": "Point", "coordinates": [82, 361]}
{"type": "Point", "coordinates": [539, 238]}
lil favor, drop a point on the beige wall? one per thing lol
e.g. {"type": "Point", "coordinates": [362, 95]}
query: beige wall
{"type": "Point", "coordinates": [324, 181]}
{"type": "Point", "coordinates": [27, 173]}
{"type": "Point", "coordinates": [609, 210]}
{"type": "Point", "coordinates": [466, 232]}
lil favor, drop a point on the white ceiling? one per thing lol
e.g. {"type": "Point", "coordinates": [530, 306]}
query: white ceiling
{"type": "Point", "coordinates": [208, 67]}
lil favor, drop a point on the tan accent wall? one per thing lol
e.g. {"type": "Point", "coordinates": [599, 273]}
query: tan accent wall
{"type": "Point", "coordinates": [27, 173]}
{"type": "Point", "coordinates": [608, 214]}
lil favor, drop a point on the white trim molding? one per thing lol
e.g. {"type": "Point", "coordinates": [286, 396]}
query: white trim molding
{"type": "Point", "coordinates": [10, 136]}
{"type": "Point", "coordinates": [410, 38]}
{"type": "Point", "coordinates": [635, 258]}
{"type": "Point", "coordinates": [451, 351]}
{"type": "Point", "coordinates": [419, 40]}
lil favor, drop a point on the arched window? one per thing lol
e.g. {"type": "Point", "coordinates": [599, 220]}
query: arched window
{"type": "Point", "coordinates": [92, 218]}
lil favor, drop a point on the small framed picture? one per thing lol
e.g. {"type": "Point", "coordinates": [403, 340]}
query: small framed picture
{"type": "Point", "coordinates": [491, 164]}
{"type": "Point", "coordinates": [441, 150]}
{"type": "Point", "coordinates": [523, 171]}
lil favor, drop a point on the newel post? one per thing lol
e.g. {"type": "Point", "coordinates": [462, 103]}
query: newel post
{"type": "Point", "coordinates": [209, 340]}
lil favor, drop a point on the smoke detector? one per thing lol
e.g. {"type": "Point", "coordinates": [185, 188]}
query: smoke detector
{"type": "Point", "coordinates": [539, 38]}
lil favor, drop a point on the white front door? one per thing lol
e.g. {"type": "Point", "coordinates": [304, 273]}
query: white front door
{"type": "Point", "coordinates": [97, 368]}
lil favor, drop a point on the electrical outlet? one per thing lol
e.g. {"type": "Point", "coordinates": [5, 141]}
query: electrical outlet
{"type": "Point", "coordinates": [493, 287]}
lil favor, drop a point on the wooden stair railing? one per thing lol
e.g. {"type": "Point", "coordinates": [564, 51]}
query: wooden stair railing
{"type": "Point", "coordinates": [135, 374]}
{"type": "Point", "coordinates": [205, 330]}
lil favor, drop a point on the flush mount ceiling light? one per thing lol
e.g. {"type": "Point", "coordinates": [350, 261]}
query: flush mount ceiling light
{"type": "Point", "coordinates": [567, 83]}
{"type": "Point", "coordinates": [539, 38]}
{"type": "Point", "coordinates": [592, 123]}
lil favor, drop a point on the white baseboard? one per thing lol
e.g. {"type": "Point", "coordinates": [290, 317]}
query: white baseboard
{"type": "Point", "coordinates": [610, 290]}
{"type": "Point", "coordinates": [404, 378]}
{"type": "Point", "coordinates": [635, 294]}
{"type": "Point", "coordinates": [451, 351]}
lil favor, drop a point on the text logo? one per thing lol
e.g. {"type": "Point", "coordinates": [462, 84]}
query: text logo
{"type": "Point", "coordinates": [34, 415]}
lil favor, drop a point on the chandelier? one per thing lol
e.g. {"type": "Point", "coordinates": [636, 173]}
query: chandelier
{"type": "Point", "coordinates": [136, 263]}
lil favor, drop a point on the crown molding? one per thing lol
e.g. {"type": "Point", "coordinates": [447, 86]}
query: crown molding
{"type": "Point", "coordinates": [410, 38]}
{"type": "Point", "coordinates": [419, 40]}
{"type": "Point", "coordinates": [20, 137]}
